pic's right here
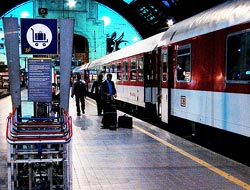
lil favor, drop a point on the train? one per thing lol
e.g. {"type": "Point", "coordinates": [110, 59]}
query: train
{"type": "Point", "coordinates": [197, 70]}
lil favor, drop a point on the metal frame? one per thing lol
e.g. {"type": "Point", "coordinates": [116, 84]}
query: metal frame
{"type": "Point", "coordinates": [39, 155]}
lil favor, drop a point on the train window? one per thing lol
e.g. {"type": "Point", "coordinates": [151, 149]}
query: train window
{"type": "Point", "coordinates": [104, 69]}
{"type": "Point", "coordinates": [125, 70]}
{"type": "Point", "coordinates": [184, 63]}
{"type": "Point", "coordinates": [133, 69]}
{"type": "Point", "coordinates": [113, 68]}
{"type": "Point", "coordinates": [108, 69]}
{"type": "Point", "coordinates": [238, 57]}
{"type": "Point", "coordinates": [118, 71]}
{"type": "Point", "coordinates": [140, 69]}
{"type": "Point", "coordinates": [164, 66]}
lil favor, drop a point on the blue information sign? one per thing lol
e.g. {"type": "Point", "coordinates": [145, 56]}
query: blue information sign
{"type": "Point", "coordinates": [39, 36]}
{"type": "Point", "coordinates": [39, 80]}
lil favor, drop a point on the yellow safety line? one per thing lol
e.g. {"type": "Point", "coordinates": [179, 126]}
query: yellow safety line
{"type": "Point", "coordinates": [201, 162]}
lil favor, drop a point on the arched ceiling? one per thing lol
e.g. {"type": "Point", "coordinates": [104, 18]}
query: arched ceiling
{"type": "Point", "coordinates": [147, 16]}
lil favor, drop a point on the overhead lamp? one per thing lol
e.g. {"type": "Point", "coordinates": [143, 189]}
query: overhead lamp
{"type": "Point", "coordinates": [170, 22]}
{"type": "Point", "coordinates": [71, 3]}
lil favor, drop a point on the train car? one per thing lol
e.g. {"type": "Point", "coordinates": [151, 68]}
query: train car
{"type": "Point", "coordinates": [131, 68]}
{"type": "Point", "coordinates": [209, 58]}
{"type": "Point", "coordinates": [197, 70]}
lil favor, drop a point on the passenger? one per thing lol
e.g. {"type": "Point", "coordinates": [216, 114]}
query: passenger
{"type": "Point", "coordinates": [55, 94]}
{"type": "Point", "coordinates": [55, 99]}
{"type": "Point", "coordinates": [97, 95]}
{"type": "Point", "coordinates": [79, 91]}
{"type": "Point", "coordinates": [108, 90]}
{"type": "Point", "coordinates": [180, 73]}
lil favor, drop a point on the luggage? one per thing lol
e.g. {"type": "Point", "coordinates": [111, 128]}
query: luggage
{"type": "Point", "coordinates": [125, 121]}
{"type": "Point", "coordinates": [109, 119]}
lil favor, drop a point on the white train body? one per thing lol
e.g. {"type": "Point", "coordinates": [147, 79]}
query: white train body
{"type": "Point", "coordinates": [198, 70]}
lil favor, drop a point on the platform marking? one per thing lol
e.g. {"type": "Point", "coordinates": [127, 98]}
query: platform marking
{"type": "Point", "coordinates": [201, 162]}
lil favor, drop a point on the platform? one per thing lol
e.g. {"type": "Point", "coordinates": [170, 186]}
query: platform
{"type": "Point", "coordinates": [142, 158]}
{"type": "Point", "coordinates": [145, 158]}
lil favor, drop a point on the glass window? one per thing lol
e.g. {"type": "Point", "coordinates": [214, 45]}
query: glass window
{"type": "Point", "coordinates": [104, 69]}
{"type": "Point", "coordinates": [140, 69]}
{"type": "Point", "coordinates": [238, 57]}
{"type": "Point", "coordinates": [113, 68]}
{"type": "Point", "coordinates": [125, 70]}
{"type": "Point", "coordinates": [119, 71]}
{"type": "Point", "coordinates": [108, 69]}
{"type": "Point", "coordinates": [184, 63]}
{"type": "Point", "coordinates": [164, 66]}
{"type": "Point", "coordinates": [133, 70]}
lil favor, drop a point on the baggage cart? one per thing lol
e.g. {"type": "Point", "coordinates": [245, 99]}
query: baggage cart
{"type": "Point", "coordinates": [39, 155]}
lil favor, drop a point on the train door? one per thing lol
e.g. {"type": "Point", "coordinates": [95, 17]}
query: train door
{"type": "Point", "coordinates": [171, 68]}
{"type": "Point", "coordinates": [163, 83]}
{"type": "Point", "coordinates": [150, 90]}
{"type": "Point", "coordinates": [159, 82]}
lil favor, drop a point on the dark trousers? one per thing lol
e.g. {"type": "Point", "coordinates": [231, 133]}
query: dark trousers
{"type": "Point", "coordinates": [78, 101]}
{"type": "Point", "coordinates": [99, 106]}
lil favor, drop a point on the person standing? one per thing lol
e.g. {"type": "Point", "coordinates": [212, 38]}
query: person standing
{"type": "Point", "coordinates": [108, 90]}
{"type": "Point", "coordinates": [96, 87]}
{"type": "Point", "coordinates": [79, 91]}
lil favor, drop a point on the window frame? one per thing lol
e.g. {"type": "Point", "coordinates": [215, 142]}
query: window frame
{"type": "Point", "coordinates": [164, 65]}
{"type": "Point", "coordinates": [119, 70]}
{"type": "Point", "coordinates": [125, 76]}
{"type": "Point", "coordinates": [141, 70]}
{"type": "Point", "coordinates": [133, 70]}
{"type": "Point", "coordinates": [235, 81]}
{"type": "Point", "coordinates": [182, 47]}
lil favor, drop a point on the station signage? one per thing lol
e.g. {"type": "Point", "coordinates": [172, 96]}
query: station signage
{"type": "Point", "coordinates": [39, 36]}
{"type": "Point", "coordinates": [39, 80]}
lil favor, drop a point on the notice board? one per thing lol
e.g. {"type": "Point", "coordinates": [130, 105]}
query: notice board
{"type": "Point", "coordinates": [40, 80]}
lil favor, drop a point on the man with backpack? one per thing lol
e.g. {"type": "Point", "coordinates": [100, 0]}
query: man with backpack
{"type": "Point", "coordinates": [79, 91]}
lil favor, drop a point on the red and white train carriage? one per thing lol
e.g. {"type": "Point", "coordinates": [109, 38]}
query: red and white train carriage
{"type": "Point", "coordinates": [198, 70]}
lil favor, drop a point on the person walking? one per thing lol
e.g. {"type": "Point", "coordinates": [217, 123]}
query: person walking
{"type": "Point", "coordinates": [79, 91]}
{"type": "Point", "coordinates": [96, 88]}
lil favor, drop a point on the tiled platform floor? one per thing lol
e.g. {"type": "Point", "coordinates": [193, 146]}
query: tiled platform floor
{"type": "Point", "coordinates": [128, 159]}
{"type": "Point", "coordinates": [142, 158]}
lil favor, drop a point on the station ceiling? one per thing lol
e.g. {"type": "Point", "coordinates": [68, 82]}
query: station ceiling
{"type": "Point", "coordinates": [147, 16]}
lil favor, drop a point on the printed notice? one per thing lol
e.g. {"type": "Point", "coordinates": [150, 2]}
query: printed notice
{"type": "Point", "coordinates": [39, 80]}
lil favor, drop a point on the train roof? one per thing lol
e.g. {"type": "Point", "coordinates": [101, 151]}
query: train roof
{"type": "Point", "coordinates": [227, 14]}
{"type": "Point", "coordinates": [81, 68]}
{"type": "Point", "coordinates": [146, 45]}
{"type": "Point", "coordinates": [230, 13]}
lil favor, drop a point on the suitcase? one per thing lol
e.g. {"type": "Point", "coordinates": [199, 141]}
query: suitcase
{"type": "Point", "coordinates": [125, 121]}
{"type": "Point", "coordinates": [40, 36]}
{"type": "Point", "coordinates": [109, 119]}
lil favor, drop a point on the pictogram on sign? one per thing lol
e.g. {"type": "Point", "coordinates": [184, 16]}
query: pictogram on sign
{"type": "Point", "coordinates": [39, 36]}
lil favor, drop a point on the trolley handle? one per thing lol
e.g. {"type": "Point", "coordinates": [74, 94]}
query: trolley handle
{"type": "Point", "coordinates": [39, 139]}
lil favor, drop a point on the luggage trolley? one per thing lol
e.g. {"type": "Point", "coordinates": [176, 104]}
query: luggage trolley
{"type": "Point", "coordinates": [39, 155]}
{"type": "Point", "coordinates": [39, 136]}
